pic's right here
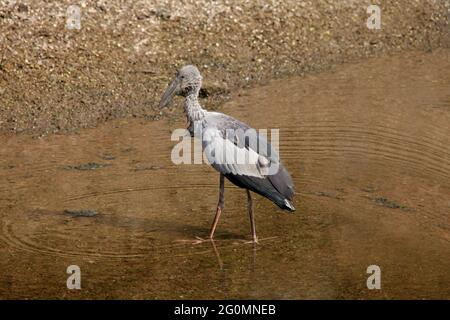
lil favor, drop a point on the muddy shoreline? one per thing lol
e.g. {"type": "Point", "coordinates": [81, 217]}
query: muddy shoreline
{"type": "Point", "coordinates": [53, 79]}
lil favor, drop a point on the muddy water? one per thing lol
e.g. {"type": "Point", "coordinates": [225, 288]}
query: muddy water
{"type": "Point", "coordinates": [368, 145]}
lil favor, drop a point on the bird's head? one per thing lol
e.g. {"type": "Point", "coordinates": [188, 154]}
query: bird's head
{"type": "Point", "coordinates": [187, 81]}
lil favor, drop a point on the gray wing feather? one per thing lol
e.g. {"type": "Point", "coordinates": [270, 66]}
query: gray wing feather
{"type": "Point", "coordinates": [268, 157]}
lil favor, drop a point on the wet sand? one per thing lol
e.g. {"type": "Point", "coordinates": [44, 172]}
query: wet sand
{"type": "Point", "coordinates": [368, 145]}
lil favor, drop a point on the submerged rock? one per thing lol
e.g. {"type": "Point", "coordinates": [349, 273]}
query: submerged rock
{"type": "Point", "coordinates": [81, 213]}
{"type": "Point", "coordinates": [388, 203]}
{"type": "Point", "coordinates": [86, 166]}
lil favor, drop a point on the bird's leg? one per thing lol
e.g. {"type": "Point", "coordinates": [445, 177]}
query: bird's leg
{"type": "Point", "coordinates": [252, 216]}
{"type": "Point", "coordinates": [220, 205]}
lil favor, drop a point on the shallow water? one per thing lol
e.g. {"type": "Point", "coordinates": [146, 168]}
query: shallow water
{"type": "Point", "coordinates": [368, 145]}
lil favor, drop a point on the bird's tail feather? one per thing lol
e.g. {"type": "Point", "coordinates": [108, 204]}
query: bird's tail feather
{"type": "Point", "coordinates": [288, 206]}
{"type": "Point", "coordinates": [262, 187]}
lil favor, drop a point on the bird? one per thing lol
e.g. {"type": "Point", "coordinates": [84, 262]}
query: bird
{"type": "Point", "coordinates": [262, 171]}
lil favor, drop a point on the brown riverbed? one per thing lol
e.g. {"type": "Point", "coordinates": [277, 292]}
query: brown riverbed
{"type": "Point", "coordinates": [368, 145]}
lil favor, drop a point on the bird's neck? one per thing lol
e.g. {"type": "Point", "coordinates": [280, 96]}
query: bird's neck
{"type": "Point", "coordinates": [192, 107]}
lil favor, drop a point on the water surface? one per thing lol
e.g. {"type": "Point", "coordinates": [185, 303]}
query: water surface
{"type": "Point", "coordinates": [368, 145]}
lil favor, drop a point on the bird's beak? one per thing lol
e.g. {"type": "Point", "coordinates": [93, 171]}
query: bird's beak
{"type": "Point", "coordinates": [172, 89]}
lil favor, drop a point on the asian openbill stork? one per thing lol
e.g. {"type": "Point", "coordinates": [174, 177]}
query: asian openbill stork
{"type": "Point", "coordinates": [261, 170]}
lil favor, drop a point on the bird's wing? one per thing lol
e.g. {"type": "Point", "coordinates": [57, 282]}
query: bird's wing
{"type": "Point", "coordinates": [232, 147]}
{"type": "Point", "coordinates": [242, 135]}
{"type": "Point", "coordinates": [263, 163]}
{"type": "Point", "coordinates": [228, 157]}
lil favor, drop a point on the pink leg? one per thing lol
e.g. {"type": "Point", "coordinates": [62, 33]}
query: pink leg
{"type": "Point", "coordinates": [220, 205]}
{"type": "Point", "coordinates": [252, 216]}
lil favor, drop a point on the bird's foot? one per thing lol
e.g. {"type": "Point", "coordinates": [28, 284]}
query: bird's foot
{"type": "Point", "coordinates": [258, 241]}
{"type": "Point", "coordinates": [253, 241]}
{"type": "Point", "coordinates": [195, 241]}
{"type": "Point", "coordinates": [201, 239]}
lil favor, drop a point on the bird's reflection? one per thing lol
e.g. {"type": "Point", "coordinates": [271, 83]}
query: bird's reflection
{"type": "Point", "coordinates": [216, 252]}
{"type": "Point", "coordinates": [254, 248]}
{"type": "Point", "coordinates": [216, 248]}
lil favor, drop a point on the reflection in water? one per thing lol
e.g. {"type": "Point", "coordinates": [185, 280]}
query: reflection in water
{"type": "Point", "coordinates": [219, 260]}
{"type": "Point", "coordinates": [368, 146]}
{"type": "Point", "coordinates": [254, 248]}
